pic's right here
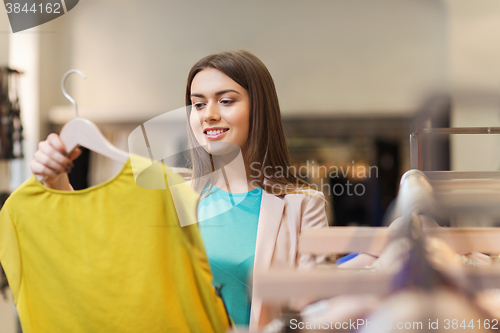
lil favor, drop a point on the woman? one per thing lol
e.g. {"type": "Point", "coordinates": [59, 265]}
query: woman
{"type": "Point", "coordinates": [251, 212]}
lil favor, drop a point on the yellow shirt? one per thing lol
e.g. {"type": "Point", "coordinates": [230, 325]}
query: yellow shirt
{"type": "Point", "coordinates": [110, 258]}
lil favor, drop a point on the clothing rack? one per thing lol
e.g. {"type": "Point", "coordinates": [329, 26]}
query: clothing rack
{"type": "Point", "coordinates": [280, 285]}
{"type": "Point", "coordinates": [420, 194]}
{"type": "Point", "coordinates": [414, 138]}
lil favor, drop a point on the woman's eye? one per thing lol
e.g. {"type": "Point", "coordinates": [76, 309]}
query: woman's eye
{"type": "Point", "coordinates": [226, 102]}
{"type": "Point", "coordinates": [198, 106]}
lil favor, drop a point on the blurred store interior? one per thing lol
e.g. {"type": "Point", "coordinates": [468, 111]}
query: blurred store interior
{"type": "Point", "coordinates": [353, 79]}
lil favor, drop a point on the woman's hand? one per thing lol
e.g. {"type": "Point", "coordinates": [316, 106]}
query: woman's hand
{"type": "Point", "coordinates": [51, 163]}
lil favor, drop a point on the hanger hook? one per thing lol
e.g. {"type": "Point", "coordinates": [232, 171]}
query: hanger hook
{"type": "Point", "coordinates": [63, 82]}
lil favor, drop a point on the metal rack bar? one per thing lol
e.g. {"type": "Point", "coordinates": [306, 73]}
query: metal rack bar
{"type": "Point", "coordinates": [414, 151]}
{"type": "Point", "coordinates": [462, 130]}
{"type": "Point", "coordinates": [461, 175]}
{"type": "Point", "coordinates": [444, 131]}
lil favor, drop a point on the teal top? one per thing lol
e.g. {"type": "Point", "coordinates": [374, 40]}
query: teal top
{"type": "Point", "coordinates": [228, 226]}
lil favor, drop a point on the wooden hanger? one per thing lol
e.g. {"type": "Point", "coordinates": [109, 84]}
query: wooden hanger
{"type": "Point", "coordinates": [85, 133]}
{"type": "Point", "coordinates": [339, 240]}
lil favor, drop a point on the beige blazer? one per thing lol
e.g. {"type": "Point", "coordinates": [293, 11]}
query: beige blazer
{"type": "Point", "coordinates": [280, 222]}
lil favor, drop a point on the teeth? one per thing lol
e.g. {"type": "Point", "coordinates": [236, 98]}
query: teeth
{"type": "Point", "coordinates": [215, 132]}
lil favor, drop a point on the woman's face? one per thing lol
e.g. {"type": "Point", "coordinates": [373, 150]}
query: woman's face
{"type": "Point", "coordinates": [221, 109]}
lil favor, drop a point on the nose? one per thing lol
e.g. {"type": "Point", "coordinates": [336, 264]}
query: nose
{"type": "Point", "coordinates": [211, 112]}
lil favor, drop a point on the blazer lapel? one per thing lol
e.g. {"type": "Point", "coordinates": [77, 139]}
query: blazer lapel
{"type": "Point", "coordinates": [270, 216]}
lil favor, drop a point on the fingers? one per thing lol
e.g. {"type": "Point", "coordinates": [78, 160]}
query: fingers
{"type": "Point", "coordinates": [54, 140]}
{"type": "Point", "coordinates": [74, 154]}
{"type": "Point", "coordinates": [41, 170]}
{"type": "Point", "coordinates": [57, 144]}
{"type": "Point", "coordinates": [53, 160]}
{"type": "Point", "coordinates": [50, 160]}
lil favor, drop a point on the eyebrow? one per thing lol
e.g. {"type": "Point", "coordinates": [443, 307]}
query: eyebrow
{"type": "Point", "coordinates": [217, 93]}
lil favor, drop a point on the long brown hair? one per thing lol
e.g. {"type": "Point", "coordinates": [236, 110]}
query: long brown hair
{"type": "Point", "coordinates": [266, 143]}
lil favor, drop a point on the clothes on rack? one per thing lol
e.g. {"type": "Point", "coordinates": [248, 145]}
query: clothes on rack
{"type": "Point", "coordinates": [421, 274]}
{"type": "Point", "coordinates": [395, 253]}
{"type": "Point", "coordinates": [341, 308]}
{"type": "Point", "coordinates": [10, 115]}
{"type": "Point", "coordinates": [441, 310]}
{"type": "Point", "coordinates": [415, 271]}
{"type": "Point", "coordinates": [439, 253]}
{"type": "Point", "coordinates": [109, 258]}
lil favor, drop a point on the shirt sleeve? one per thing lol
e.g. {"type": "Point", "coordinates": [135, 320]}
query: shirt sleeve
{"type": "Point", "coordinates": [9, 251]}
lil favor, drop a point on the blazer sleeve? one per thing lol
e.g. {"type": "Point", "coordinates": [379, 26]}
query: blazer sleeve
{"type": "Point", "coordinates": [313, 216]}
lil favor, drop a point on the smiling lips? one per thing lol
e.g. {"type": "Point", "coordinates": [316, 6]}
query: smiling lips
{"type": "Point", "coordinates": [214, 132]}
